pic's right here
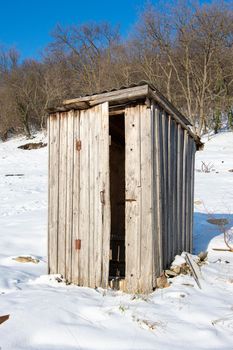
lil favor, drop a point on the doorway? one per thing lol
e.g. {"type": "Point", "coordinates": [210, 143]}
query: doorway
{"type": "Point", "coordinates": [117, 196]}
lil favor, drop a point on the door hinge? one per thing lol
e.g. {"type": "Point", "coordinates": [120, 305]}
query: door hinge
{"type": "Point", "coordinates": [78, 145]}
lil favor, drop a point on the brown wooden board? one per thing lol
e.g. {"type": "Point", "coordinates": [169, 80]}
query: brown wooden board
{"type": "Point", "coordinates": [4, 318]}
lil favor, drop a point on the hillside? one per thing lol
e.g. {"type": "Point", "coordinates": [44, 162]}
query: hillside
{"type": "Point", "coordinates": [47, 314]}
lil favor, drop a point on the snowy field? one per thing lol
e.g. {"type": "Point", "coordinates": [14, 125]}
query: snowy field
{"type": "Point", "coordinates": [48, 315]}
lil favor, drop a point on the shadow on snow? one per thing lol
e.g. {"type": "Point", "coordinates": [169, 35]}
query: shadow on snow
{"type": "Point", "coordinates": [203, 231]}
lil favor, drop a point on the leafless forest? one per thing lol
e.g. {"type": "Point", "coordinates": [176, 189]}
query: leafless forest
{"type": "Point", "coordinates": [186, 51]}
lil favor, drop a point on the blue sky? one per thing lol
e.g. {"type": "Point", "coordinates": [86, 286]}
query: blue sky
{"type": "Point", "coordinates": [27, 25]}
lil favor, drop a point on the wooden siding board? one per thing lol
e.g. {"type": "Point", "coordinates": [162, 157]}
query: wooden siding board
{"type": "Point", "coordinates": [174, 192]}
{"type": "Point", "coordinates": [76, 200]}
{"type": "Point", "coordinates": [189, 194]}
{"type": "Point", "coordinates": [146, 279]}
{"type": "Point", "coordinates": [162, 185]}
{"type": "Point", "coordinates": [54, 137]}
{"type": "Point", "coordinates": [62, 195]}
{"type": "Point", "coordinates": [69, 194]}
{"type": "Point", "coordinates": [92, 173]}
{"type": "Point", "coordinates": [179, 188]}
{"type": "Point", "coordinates": [184, 187]}
{"type": "Point", "coordinates": [158, 248]}
{"type": "Point", "coordinates": [49, 187]}
{"type": "Point", "coordinates": [169, 172]}
{"type": "Point", "coordinates": [98, 204]}
{"type": "Point", "coordinates": [84, 205]}
{"type": "Point", "coordinates": [192, 193]}
{"type": "Point", "coordinates": [132, 210]}
{"type": "Point", "coordinates": [165, 187]}
{"type": "Point", "coordinates": [106, 212]}
{"type": "Point", "coordinates": [154, 199]}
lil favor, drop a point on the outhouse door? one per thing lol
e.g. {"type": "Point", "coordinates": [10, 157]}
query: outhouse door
{"type": "Point", "coordinates": [91, 201]}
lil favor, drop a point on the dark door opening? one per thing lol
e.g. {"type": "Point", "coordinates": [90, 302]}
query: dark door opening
{"type": "Point", "coordinates": [117, 196]}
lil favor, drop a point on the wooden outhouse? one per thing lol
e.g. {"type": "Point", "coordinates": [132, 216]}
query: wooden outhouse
{"type": "Point", "coordinates": [121, 178]}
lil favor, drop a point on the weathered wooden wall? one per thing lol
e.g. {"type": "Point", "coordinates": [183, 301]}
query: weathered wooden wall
{"type": "Point", "coordinates": [173, 184]}
{"type": "Point", "coordinates": [159, 183]}
{"type": "Point", "coordinates": [79, 203]}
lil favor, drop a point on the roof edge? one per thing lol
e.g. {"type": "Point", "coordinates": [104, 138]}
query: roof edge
{"type": "Point", "coordinates": [126, 95]}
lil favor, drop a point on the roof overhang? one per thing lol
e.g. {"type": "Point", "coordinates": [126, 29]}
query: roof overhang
{"type": "Point", "coordinates": [124, 96]}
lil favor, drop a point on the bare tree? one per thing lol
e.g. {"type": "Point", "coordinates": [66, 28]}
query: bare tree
{"type": "Point", "coordinates": [190, 40]}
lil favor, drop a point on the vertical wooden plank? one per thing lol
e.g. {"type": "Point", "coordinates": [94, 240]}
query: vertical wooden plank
{"type": "Point", "coordinates": [133, 193]}
{"type": "Point", "coordinates": [146, 278]}
{"type": "Point", "coordinates": [99, 201]}
{"type": "Point", "coordinates": [184, 191]}
{"type": "Point", "coordinates": [69, 193]}
{"type": "Point", "coordinates": [53, 142]}
{"type": "Point", "coordinates": [162, 185]}
{"type": "Point", "coordinates": [49, 209]}
{"type": "Point", "coordinates": [192, 193]}
{"type": "Point", "coordinates": [84, 204]}
{"type": "Point", "coordinates": [189, 194]}
{"type": "Point", "coordinates": [76, 201]}
{"type": "Point", "coordinates": [169, 206]}
{"type": "Point", "coordinates": [93, 194]}
{"type": "Point", "coordinates": [157, 193]}
{"type": "Point", "coordinates": [105, 184]}
{"type": "Point", "coordinates": [155, 262]}
{"type": "Point", "coordinates": [62, 195]}
{"type": "Point", "coordinates": [174, 191]}
{"type": "Point", "coordinates": [179, 189]}
{"type": "Point", "coordinates": [99, 196]}
{"type": "Point", "coordinates": [165, 187]}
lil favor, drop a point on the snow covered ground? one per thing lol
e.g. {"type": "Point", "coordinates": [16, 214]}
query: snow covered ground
{"type": "Point", "coordinates": [48, 315]}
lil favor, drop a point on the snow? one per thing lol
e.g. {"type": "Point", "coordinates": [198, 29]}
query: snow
{"type": "Point", "coordinates": [214, 190]}
{"type": "Point", "coordinates": [47, 314]}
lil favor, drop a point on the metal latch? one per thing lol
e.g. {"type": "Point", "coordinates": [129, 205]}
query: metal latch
{"type": "Point", "coordinates": [102, 199]}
